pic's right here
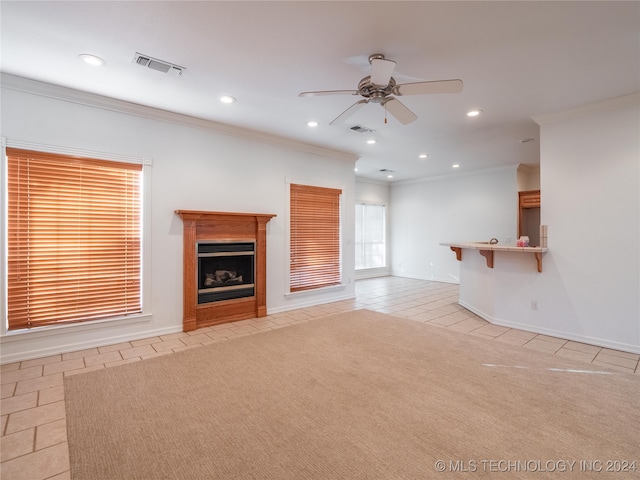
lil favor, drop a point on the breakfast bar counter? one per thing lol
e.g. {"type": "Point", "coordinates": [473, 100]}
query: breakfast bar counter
{"type": "Point", "coordinates": [487, 249]}
{"type": "Point", "coordinates": [498, 282]}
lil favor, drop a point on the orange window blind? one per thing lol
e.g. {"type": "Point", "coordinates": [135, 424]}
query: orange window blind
{"type": "Point", "coordinates": [74, 239]}
{"type": "Point", "coordinates": [315, 237]}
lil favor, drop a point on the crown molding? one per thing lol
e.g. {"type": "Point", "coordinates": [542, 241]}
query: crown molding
{"type": "Point", "coordinates": [44, 89]}
{"type": "Point", "coordinates": [450, 176]}
{"type": "Point", "coordinates": [584, 110]}
{"type": "Point", "coordinates": [372, 181]}
{"type": "Point", "coordinates": [526, 166]}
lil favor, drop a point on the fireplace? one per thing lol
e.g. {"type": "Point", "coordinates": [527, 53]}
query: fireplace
{"type": "Point", "coordinates": [224, 267]}
{"type": "Point", "coordinates": [225, 270]}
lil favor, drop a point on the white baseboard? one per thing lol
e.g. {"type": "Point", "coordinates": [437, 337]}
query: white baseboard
{"type": "Point", "coordinates": [310, 303]}
{"type": "Point", "coordinates": [372, 273]}
{"type": "Point", "coordinates": [19, 348]}
{"type": "Point", "coordinates": [599, 342]}
{"type": "Point", "coordinates": [455, 281]}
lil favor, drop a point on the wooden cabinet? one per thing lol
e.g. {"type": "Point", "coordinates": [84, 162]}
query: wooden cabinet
{"type": "Point", "coordinates": [529, 199]}
{"type": "Point", "coordinates": [529, 215]}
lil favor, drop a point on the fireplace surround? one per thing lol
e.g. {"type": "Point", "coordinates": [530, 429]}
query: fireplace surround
{"type": "Point", "coordinates": [224, 267]}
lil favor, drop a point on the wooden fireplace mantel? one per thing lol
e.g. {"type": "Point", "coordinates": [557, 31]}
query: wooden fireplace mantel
{"type": "Point", "coordinates": [222, 226]}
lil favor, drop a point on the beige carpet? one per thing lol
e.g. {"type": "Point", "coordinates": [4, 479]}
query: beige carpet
{"type": "Point", "coordinates": [359, 395]}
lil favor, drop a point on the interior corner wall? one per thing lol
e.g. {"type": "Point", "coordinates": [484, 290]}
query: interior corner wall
{"type": "Point", "coordinates": [376, 193]}
{"type": "Point", "coordinates": [528, 178]}
{"type": "Point", "coordinates": [194, 168]}
{"type": "Point", "coordinates": [590, 183]}
{"type": "Point", "coordinates": [456, 208]}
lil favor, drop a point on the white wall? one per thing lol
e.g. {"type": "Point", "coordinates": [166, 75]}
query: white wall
{"type": "Point", "coordinates": [463, 207]}
{"type": "Point", "coordinates": [528, 177]}
{"type": "Point", "coordinates": [376, 193]}
{"type": "Point", "coordinates": [589, 288]}
{"type": "Point", "coordinates": [372, 191]}
{"type": "Point", "coordinates": [590, 183]}
{"type": "Point", "coordinates": [195, 167]}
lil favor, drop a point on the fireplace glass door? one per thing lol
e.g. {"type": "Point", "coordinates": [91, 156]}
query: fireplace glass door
{"type": "Point", "coordinates": [225, 270]}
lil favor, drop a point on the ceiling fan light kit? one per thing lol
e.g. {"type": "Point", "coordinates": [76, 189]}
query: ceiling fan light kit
{"type": "Point", "coordinates": [380, 87]}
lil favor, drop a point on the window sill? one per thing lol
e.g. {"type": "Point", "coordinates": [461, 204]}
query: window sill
{"type": "Point", "coordinates": [50, 330]}
{"type": "Point", "coordinates": [303, 293]}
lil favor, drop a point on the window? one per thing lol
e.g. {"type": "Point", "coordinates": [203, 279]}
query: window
{"type": "Point", "coordinates": [74, 239]}
{"type": "Point", "coordinates": [315, 237]}
{"type": "Point", "coordinates": [370, 236]}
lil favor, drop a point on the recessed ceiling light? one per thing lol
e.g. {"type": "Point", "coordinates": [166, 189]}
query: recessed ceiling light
{"type": "Point", "coordinates": [423, 155]}
{"type": "Point", "coordinates": [312, 123]}
{"type": "Point", "coordinates": [371, 141]}
{"type": "Point", "coordinates": [455, 165]}
{"type": "Point", "coordinates": [474, 113]}
{"type": "Point", "coordinates": [389, 176]}
{"type": "Point", "coordinates": [227, 99]}
{"type": "Point", "coordinates": [92, 60]}
{"type": "Point", "coordinates": [355, 169]}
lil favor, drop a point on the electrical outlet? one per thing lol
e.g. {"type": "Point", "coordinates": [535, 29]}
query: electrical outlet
{"type": "Point", "coordinates": [534, 305]}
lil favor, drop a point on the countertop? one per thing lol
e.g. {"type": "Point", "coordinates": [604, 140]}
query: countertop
{"type": "Point", "coordinates": [495, 247]}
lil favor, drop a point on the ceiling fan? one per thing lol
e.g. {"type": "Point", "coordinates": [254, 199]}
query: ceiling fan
{"type": "Point", "coordinates": [380, 87]}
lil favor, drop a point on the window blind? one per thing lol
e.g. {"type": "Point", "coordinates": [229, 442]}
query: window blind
{"type": "Point", "coordinates": [315, 237]}
{"type": "Point", "coordinates": [74, 239]}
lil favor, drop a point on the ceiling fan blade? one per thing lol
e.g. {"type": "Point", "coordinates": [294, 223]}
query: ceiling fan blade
{"type": "Point", "coordinates": [328, 92]}
{"type": "Point", "coordinates": [349, 111]}
{"type": "Point", "coordinates": [396, 108]}
{"type": "Point", "coordinates": [421, 88]}
{"type": "Point", "coordinates": [381, 71]}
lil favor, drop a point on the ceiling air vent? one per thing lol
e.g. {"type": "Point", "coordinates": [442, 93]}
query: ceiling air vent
{"type": "Point", "coordinates": [159, 65]}
{"type": "Point", "coordinates": [361, 129]}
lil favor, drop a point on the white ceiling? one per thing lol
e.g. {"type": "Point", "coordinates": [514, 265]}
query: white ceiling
{"type": "Point", "coordinates": [517, 60]}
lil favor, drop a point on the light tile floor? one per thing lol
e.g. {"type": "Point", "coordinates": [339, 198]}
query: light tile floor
{"type": "Point", "coordinates": [33, 445]}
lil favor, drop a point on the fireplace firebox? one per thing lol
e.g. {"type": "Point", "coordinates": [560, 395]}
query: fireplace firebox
{"type": "Point", "coordinates": [225, 270]}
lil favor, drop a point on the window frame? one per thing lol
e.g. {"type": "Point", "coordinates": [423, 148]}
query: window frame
{"type": "Point", "coordinates": [384, 236]}
{"type": "Point", "coordinates": [311, 183]}
{"type": "Point", "coordinates": [145, 248]}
